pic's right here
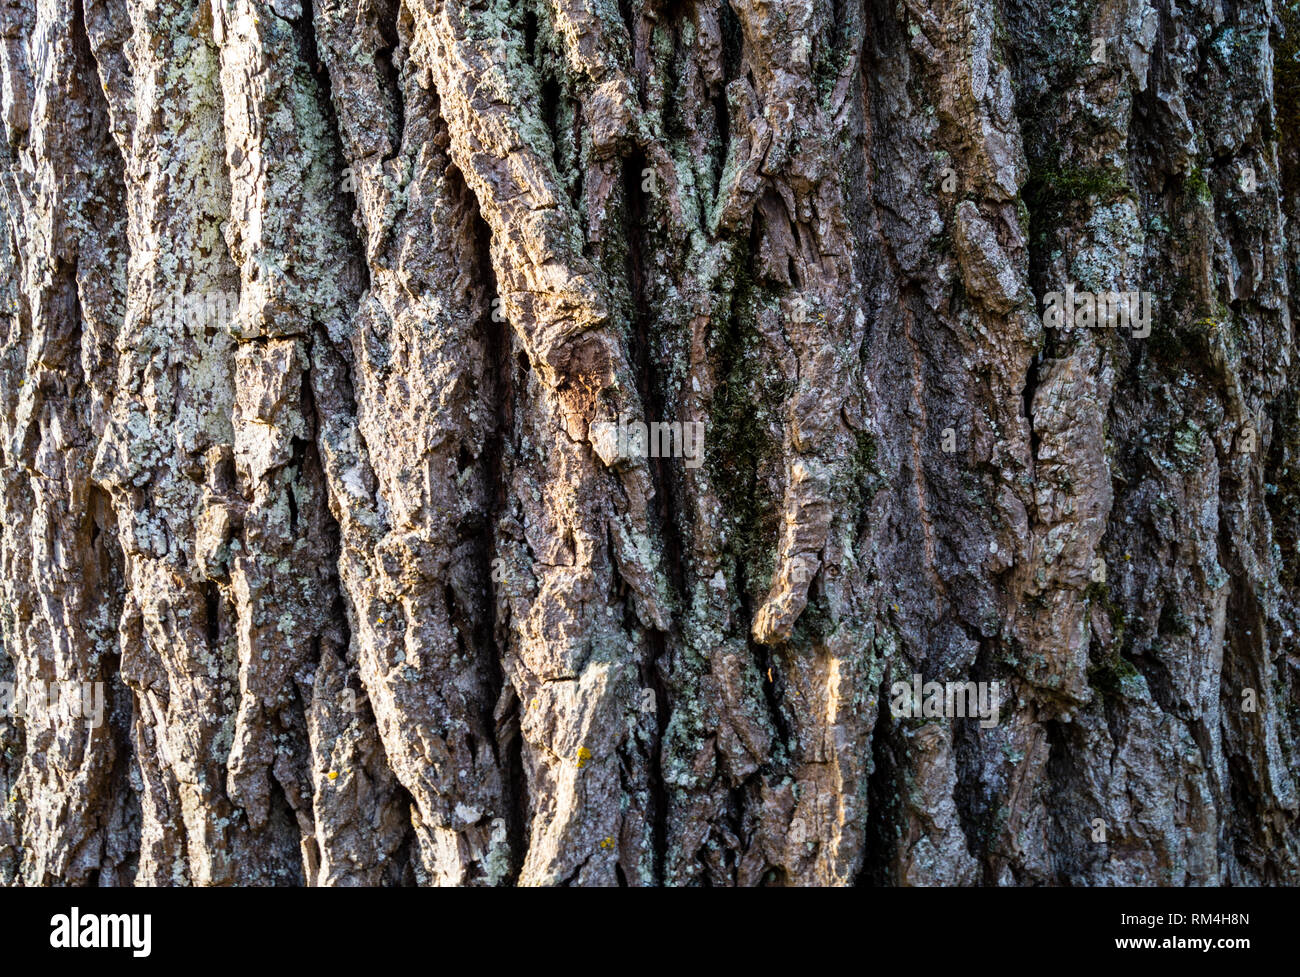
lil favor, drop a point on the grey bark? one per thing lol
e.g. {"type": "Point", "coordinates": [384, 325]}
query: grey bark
{"type": "Point", "coordinates": [320, 321]}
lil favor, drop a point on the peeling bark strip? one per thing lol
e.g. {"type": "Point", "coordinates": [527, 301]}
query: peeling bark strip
{"type": "Point", "coordinates": [729, 442]}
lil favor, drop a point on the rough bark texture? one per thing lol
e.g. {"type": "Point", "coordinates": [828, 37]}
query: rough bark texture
{"type": "Point", "coordinates": [315, 316]}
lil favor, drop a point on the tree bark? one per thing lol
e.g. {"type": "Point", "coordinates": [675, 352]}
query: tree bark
{"type": "Point", "coordinates": [327, 330]}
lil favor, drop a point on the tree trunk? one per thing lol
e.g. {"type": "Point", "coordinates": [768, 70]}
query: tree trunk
{"type": "Point", "coordinates": [329, 331]}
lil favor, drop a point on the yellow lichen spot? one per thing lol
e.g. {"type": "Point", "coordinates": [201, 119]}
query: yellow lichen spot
{"type": "Point", "coordinates": [333, 775]}
{"type": "Point", "coordinates": [584, 755]}
{"type": "Point", "coordinates": [607, 844]}
{"type": "Point", "coordinates": [533, 704]}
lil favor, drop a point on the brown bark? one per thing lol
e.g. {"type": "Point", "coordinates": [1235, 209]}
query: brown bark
{"type": "Point", "coordinates": [322, 322]}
